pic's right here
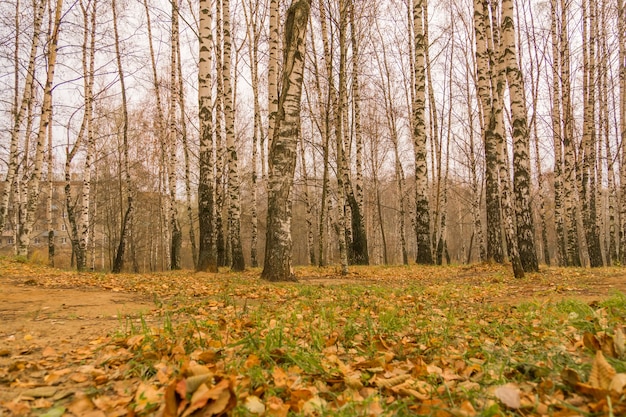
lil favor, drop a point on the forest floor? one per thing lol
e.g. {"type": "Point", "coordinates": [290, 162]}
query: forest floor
{"type": "Point", "coordinates": [441, 341]}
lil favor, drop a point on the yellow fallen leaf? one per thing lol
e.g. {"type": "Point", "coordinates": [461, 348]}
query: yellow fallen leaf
{"type": "Point", "coordinates": [602, 372]}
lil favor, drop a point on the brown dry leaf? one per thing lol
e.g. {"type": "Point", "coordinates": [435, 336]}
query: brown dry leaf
{"type": "Point", "coordinates": [254, 405]}
{"type": "Point", "coordinates": [618, 383]}
{"type": "Point", "coordinates": [17, 408]}
{"type": "Point", "coordinates": [391, 382]}
{"type": "Point", "coordinates": [170, 408]}
{"type": "Point", "coordinates": [224, 399]}
{"type": "Point", "coordinates": [314, 407]}
{"type": "Point", "coordinates": [619, 341]}
{"type": "Point", "coordinates": [432, 407]}
{"type": "Point", "coordinates": [49, 352]}
{"type": "Point", "coordinates": [280, 377]}
{"type": "Point", "coordinates": [81, 405]}
{"type": "Point", "coordinates": [602, 372]}
{"type": "Point", "coordinates": [591, 342]}
{"type": "Point", "coordinates": [252, 361]}
{"type": "Point", "coordinates": [147, 397]}
{"type": "Point", "coordinates": [194, 382]}
{"type": "Point", "coordinates": [509, 394]}
{"type": "Point", "coordinates": [465, 410]}
{"type": "Point", "coordinates": [570, 377]}
{"type": "Point", "coordinates": [608, 344]}
{"type": "Point", "coordinates": [275, 407]}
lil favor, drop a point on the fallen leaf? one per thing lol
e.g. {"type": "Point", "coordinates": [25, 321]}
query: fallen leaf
{"type": "Point", "coordinates": [40, 392]}
{"type": "Point", "coordinates": [54, 412]}
{"type": "Point", "coordinates": [17, 408]}
{"type": "Point", "coordinates": [254, 405]}
{"type": "Point", "coordinates": [618, 383]}
{"type": "Point", "coordinates": [147, 397]}
{"type": "Point", "coordinates": [509, 394]}
{"type": "Point", "coordinates": [602, 372]}
{"type": "Point", "coordinates": [49, 352]}
{"type": "Point", "coordinates": [314, 407]}
{"type": "Point", "coordinates": [619, 340]}
{"type": "Point", "coordinates": [275, 407]}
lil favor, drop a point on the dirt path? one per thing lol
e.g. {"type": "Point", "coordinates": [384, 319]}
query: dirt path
{"type": "Point", "coordinates": [52, 316]}
{"type": "Point", "coordinates": [38, 322]}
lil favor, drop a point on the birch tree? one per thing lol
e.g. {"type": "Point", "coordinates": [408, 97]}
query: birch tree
{"type": "Point", "coordinates": [234, 208]}
{"type": "Point", "coordinates": [622, 121]}
{"type": "Point", "coordinates": [172, 143]}
{"type": "Point", "coordinates": [207, 259]}
{"type": "Point", "coordinates": [26, 227]}
{"type": "Point", "coordinates": [20, 105]}
{"type": "Point", "coordinates": [282, 156]}
{"type": "Point", "coordinates": [422, 211]}
{"type": "Point", "coordinates": [492, 189]}
{"type": "Point", "coordinates": [521, 143]}
{"type": "Point", "coordinates": [127, 219]}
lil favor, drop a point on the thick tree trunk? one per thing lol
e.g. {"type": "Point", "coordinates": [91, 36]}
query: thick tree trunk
{"type": "Point", "coordinates": [207, 260]}
{"type": "Point", "coordinates": [277, 266]}
{"type": "Point", "coordinates": [492, 189]}
{"type": "Point", "coordinates": [422, 211]}
{"type": "Point", "coordinates": [521, 143]}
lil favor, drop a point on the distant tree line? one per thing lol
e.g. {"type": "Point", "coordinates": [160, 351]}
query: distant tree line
{"type": "Point", "coordinates": [234, 133]}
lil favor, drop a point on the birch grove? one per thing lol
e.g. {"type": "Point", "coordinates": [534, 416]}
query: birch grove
{"type": "Point", "coordinates": [142, 136]}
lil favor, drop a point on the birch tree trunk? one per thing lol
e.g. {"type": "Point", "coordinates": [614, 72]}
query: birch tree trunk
{"type": "Point", "coordinates": [251, 8]}
{"type": "Point", "coordinates": [234, 208]}
{"type": "Point", "coordinates": [622, 125]}
{"type": "Point", "coordinates": [186, 156]}
{"type": "Point", "coordinates": [492, 188]}
{"type": "Point", "coordinates": [127, 220]}
{"type": "Point", "coordinates": [422, 211]}
{"type": "Point", "coordinates": [356, 111]}
{"type": "Point", "coordinates": [588, 189]}
{"type": "Point", "coordinates": [172, 162]}
{"type": "Point", "coordinates": [26, 228]}
{"type": "Point", "coordinates": [272, 80]}
{"type": "Point", "coordinates": [495, 132]}
{"type": "Point", "coordinates": [49, 198]}
{"type": "Point", "coordinates": [521, 143]}
{"type": "Point", "coordinates": [569, 181]}
{"type": "Point", "coordinates": [557, 129]}
{"type": "Point", "coordinates": [604, 132]}
{"type": "Point", "coordinates": [392, 125]}
{"type": "Point", "coordinates": [207, 259]}
{"type": "Point", "coordinates": [277, 266]}
{"type": "Point", "coordinates": [20, 106]}
{"type": "Point", "coordinates": [89, 69]}
{"type": "Point", "coordinates": [333, 102]}
{"type": "Point", "coordinates": [220, 179]}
